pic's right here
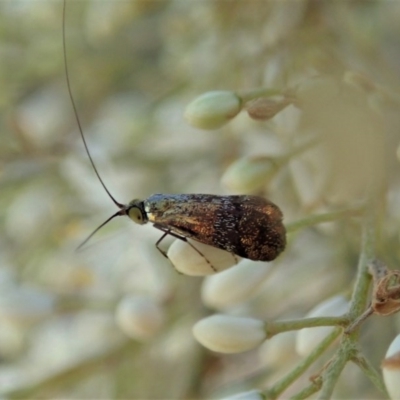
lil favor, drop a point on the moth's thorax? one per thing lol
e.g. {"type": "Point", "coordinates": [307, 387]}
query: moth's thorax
{"type": "Point", "coordinates": [157, 205]}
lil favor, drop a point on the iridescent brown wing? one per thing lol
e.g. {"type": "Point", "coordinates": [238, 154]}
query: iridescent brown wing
{"type": "Point", "coordinates": [249, 226]}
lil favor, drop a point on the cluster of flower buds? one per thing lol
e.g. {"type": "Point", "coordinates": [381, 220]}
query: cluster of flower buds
{"type": "Point", "coordinates": [212, 110]}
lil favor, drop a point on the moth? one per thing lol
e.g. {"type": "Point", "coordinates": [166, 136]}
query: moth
{"type": "Point", "coordinates": [247, 226]}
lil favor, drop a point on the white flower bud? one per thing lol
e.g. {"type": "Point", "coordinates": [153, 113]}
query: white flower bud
{"type": "Point", "coordinates": [212, 110]}
{"type": "Point", "coordinates": [250, 174]}
{"type": "Point", "coordinates": [206, 261]}
{"type": "Point", "coordinates": [391, 369]}
{"type": "Point", "coordinates": [139, 317]}
{"type": "Point", "coordinates": [250, 395]}
{"type": "Point", "coordinates": [234, 285]}
{"type": "Point", "coordinates": [309, 338]}
{"type": "Point", "coordinates": [227, 334]}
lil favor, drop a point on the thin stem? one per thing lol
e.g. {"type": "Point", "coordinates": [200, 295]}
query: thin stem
{"type": "Point", "coordinates": [359, 299]}
{"type": "Point", "coordinates": [308, 390]}
{"type": "Point", "coordinates": [354, 325]}
{"type": "Point", "coordinates": [288, 379]}
{"type": "Point", "coordinates": [273, 328]}
{"type": "Point", "coordinates": [320, 218]}
{"type": "Point", "coordinates": [374, 376]}
{"type": "Point", "coordinates": [348, 346]}
{"type": "Point", "coordinates": [333, 371]}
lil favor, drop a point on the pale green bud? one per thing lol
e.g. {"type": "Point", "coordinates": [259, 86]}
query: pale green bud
{"type": "Point", "coordinates": [250, 174]}
{"type": "Point", "coordinates": [139, 317]}
{"type": "Point", "coordinates": [227, 334]}
{"type": "Point", "coordinates": [391, 369]}
{"type": "Point", "coordinates": [207, 260]}
{"type": "Point", "coordinates": [309, 338]}
{"type": "Point", "coordinates": [212, 110]}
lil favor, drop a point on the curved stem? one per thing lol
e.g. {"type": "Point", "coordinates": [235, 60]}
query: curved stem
{"type": "Point", "coordinates": [289, 378]}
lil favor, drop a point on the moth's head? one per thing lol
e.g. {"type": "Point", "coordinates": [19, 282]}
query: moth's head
{"type": "Point", "coordinates": [135, 211]}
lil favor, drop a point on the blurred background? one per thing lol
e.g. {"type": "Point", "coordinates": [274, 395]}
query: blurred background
{"type": "Point", "coordinates": [134, 67]}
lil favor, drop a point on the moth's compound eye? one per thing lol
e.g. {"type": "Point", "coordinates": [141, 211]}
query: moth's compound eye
{"type": "Point", "coordinates": [136, 215]}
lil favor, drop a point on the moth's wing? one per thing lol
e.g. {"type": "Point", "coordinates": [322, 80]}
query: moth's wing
{"type": "Point", "coordinates": [263, 235]}
{"type": "Point", "coordinates": [208, 219]}
{"type": "Point", "coordinates": [249, 226]}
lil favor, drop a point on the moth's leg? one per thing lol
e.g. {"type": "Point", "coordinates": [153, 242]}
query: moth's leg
{"type": "Point", "coordinates": [168, 232]}
{"type": "Point", "coordinates": [235, 257]}
{"type": "Point", "coordinates": [158, 244]}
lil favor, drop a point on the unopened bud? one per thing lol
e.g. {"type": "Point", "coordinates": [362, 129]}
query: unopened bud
{"type": "Point", "coordinates": [391, 369]}
{"type": "Point", "coordinates": [212, 110]}
{"type": "Point", "coordinates": [198, 259]}
{"type": "Point", "coordinates": [250, 174]}
{"type": "Point", "coordinates": [266, 108]}
{"type": "Point", "coordinates": [227, 334]}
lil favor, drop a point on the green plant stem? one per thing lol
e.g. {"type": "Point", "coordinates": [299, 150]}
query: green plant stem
{"type": "Point", "coordinates": [273, 328]}
{"type": "Point", "coordinates": [289, 378]}
{"type": "Point", "coordinates": [370, 372]}
{"type": "Point", "coordinates": [308, 390]}
{"type": "Point", "coordinates": [367, 254]}
{"type": "Point", "coordinates": [320, 218]}
{"type": "Point", "coordinates": [332, 372]}
{"type": "Point", "coordinates": [348, 346]}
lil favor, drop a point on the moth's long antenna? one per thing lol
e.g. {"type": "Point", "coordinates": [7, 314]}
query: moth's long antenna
{"type": "Point", "coordinates": [77, 116]}
{"type": "Point", "coordinates": [118, 213]}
